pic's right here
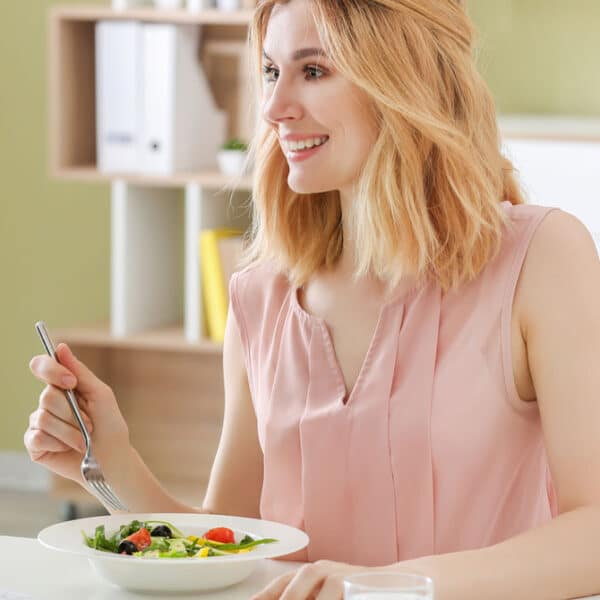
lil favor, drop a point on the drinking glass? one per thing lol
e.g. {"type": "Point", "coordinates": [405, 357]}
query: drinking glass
{"type": "Point", "coordinates": [388, 586]}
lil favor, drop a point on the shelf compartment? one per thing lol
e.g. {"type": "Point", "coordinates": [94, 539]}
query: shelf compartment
{"type": "Point", "coordinates": [72, 87]}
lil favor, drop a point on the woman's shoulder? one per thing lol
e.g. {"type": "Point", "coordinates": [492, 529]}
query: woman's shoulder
{"type": "Point", "coordinates": [526, 222]}
{"type": "Point", "coordinates": [561, 242]}
{"type": "Point", "coordinates": [260, 280]}
{"type": "Point", "coordinates": [520, 212]}
{"type": "Point", "coordinates": [555, 229]}
{"type": "Point", "coordinates": [561, 260]}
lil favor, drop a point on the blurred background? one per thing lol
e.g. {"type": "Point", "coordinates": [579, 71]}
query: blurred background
{"type": "Point", "coordinates": [539, 58]}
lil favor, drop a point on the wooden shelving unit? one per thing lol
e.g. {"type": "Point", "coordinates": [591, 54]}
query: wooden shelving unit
{"type": "Point", "coordinates": [154, 353]}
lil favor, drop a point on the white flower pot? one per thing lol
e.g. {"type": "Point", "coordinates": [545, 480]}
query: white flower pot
{"type": "Point", "coordinates": [229, 4]}
{"type": "Point", "coordinates": [231, 162]}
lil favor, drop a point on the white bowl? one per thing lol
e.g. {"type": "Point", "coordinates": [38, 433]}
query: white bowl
{"type": "Point", "coordinates": [231, 162]}
{"type": "Point", "coordinates": [175, 575]}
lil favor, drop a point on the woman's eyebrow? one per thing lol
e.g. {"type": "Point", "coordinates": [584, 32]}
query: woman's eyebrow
{"type": "Point", "coordinates": [302, 53]}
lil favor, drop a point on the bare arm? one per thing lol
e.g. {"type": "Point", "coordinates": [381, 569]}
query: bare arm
{"type": "Point", "coordinates": [236, 476]}
{"type": "Point", "coordinates": [53, 439]}
{"type": "Point", "coordinates": [558, 560]}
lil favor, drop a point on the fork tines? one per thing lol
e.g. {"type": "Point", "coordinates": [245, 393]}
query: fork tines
{"type": "Point", "coordinates": [101, 489]}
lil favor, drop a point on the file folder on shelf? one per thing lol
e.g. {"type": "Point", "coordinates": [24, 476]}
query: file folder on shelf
{"type": "Point", "coordinates": [220, 251]}
{"type": "Point", "coordinates": [118, 95]}
{"type": "Point", "coordinates": [182, 126]}
{"type": "Point", "coordinates": [155, 109]}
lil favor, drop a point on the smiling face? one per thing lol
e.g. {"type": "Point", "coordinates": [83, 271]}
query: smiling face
{"type": "Point", "coordinates": [305, 98]}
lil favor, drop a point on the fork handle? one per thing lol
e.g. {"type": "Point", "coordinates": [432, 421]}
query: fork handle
{"type": "Point", "coordinates": [69, 395]}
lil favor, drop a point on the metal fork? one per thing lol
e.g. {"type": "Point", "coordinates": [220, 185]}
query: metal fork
{"type": "Point", "coordinates": [90, 469]}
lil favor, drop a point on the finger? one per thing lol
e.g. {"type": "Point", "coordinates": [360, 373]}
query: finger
{"type": "Point", "coordinates": [64, 463]}
{"type": "Point", "coordinates": [87, 382]}
{"type": "Point", "coordinates": [53, 400]}
{"type": "Point", "coordinates": [50, 371]}
{"type": "Point", "coordinates": [38, 443]}
{"type": "Point", "coordinates": [306, 582]}
{"type": "Point", "coordinates": [274, 590]}
{"type": "Point", "coordinates": [64, 432]}
{"type": "Point", "coordinates": [333, 589]}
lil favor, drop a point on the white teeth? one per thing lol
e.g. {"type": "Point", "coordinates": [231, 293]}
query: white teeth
{"type": "Point", "coordinates": [291, 146]}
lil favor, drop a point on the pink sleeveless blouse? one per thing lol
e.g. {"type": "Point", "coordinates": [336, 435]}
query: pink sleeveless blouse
{"type": "Point", "coordinates": [433, 451]}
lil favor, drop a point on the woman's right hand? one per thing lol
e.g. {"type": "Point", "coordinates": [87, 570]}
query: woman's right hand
{"type": "Point", "coordinates": [53, 438]}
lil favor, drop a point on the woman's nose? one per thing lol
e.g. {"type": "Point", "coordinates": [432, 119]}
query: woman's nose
{"type": "Point", "coordinates": [281, 104]}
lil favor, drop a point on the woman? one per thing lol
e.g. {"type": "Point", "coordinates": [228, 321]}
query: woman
{"type": "Point", "coordinates": [410, 352]}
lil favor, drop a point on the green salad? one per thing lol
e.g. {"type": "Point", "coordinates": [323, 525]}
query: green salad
{"type": "Point", "coordinates": [159, 539]}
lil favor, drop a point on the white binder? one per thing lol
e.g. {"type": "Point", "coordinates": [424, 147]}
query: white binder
{"type": "Point", "coordinates": [182, 127]}
{"type": "Point", "coordinates": [118, 95]}
{"type": "Point", "coordinates": [155, 110]}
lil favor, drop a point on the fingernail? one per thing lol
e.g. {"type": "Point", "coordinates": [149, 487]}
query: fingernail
{"type": "Point", "coordinates": [69, 381]}
{"type": "Point", "coordinates": [69, 351]}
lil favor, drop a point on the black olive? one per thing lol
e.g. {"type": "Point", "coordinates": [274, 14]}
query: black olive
{"type": "Point", "coordinates": [161, 531]}
{"type": "Point", "coordinates": [127, 547]}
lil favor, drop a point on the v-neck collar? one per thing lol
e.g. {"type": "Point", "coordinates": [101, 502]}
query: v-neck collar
{"type": "Point", "coordinates": [348, 395]}
{"type": "Point", "coordinates": [400, 296]}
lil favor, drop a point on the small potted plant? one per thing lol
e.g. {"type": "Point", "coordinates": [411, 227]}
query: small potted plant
{"type": "Point", "coordinates": [232, 157]}
{"type": "Point", "coordinates": [229, 5]}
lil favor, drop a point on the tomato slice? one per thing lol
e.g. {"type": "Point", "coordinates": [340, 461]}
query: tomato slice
{"type": "Point", "coordinates": [220, 534]}
{"type": "Point", "coordinates": [140, 538]}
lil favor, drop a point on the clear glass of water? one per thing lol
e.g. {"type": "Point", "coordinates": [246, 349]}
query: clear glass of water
{"type": "Point", "coordinates": [388, 585]}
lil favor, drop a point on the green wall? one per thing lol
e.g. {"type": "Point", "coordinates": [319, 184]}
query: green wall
{"type": "Point", "coordinates": [537, 55]}
{"type": "Point", "coordinates": [540, 55]}
{"type": "Point", "coordinates": [54, 236]}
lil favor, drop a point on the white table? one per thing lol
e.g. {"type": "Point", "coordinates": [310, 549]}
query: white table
{"type": "Point", "coordinates": [32, 572]}
{"type": "Point", "coordinates": [29, 570]}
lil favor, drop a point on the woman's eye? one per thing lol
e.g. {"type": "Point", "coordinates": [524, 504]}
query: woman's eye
{"type": "Point", "coordinates": [315, 72]}
{"type": "Point", "coordinates": [311, 72]}
{"type": "Point", "coordinates": [267, 72]}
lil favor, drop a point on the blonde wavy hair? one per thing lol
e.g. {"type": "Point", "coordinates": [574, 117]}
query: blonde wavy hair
{"type": "Point", "coordinates": [435, 178]}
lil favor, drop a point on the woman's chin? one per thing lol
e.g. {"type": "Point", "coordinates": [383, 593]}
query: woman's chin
{"type": "Point", "coordinates": [308, 186]}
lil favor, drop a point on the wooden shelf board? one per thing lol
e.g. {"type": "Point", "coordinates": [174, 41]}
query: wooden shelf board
{"type": "Point", "coordinates": [166, 339]}
{"type": "Point", "coordinates": [550, 127]}
{"type": "Point", "coordinates": [208, 179]}
{"type": "Point", "coordinates": [204, 17]}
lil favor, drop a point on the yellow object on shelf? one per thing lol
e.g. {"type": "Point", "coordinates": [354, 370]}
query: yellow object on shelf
{"type": "Point", "coordinates": [220, 250]}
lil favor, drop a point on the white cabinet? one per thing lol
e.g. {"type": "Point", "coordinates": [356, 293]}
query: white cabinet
{"type": "Point", "coordinates": [555, 170]}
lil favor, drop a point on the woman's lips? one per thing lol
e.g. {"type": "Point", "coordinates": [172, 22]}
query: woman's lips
{"type": "Point", "coordinates": [300, 155]}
